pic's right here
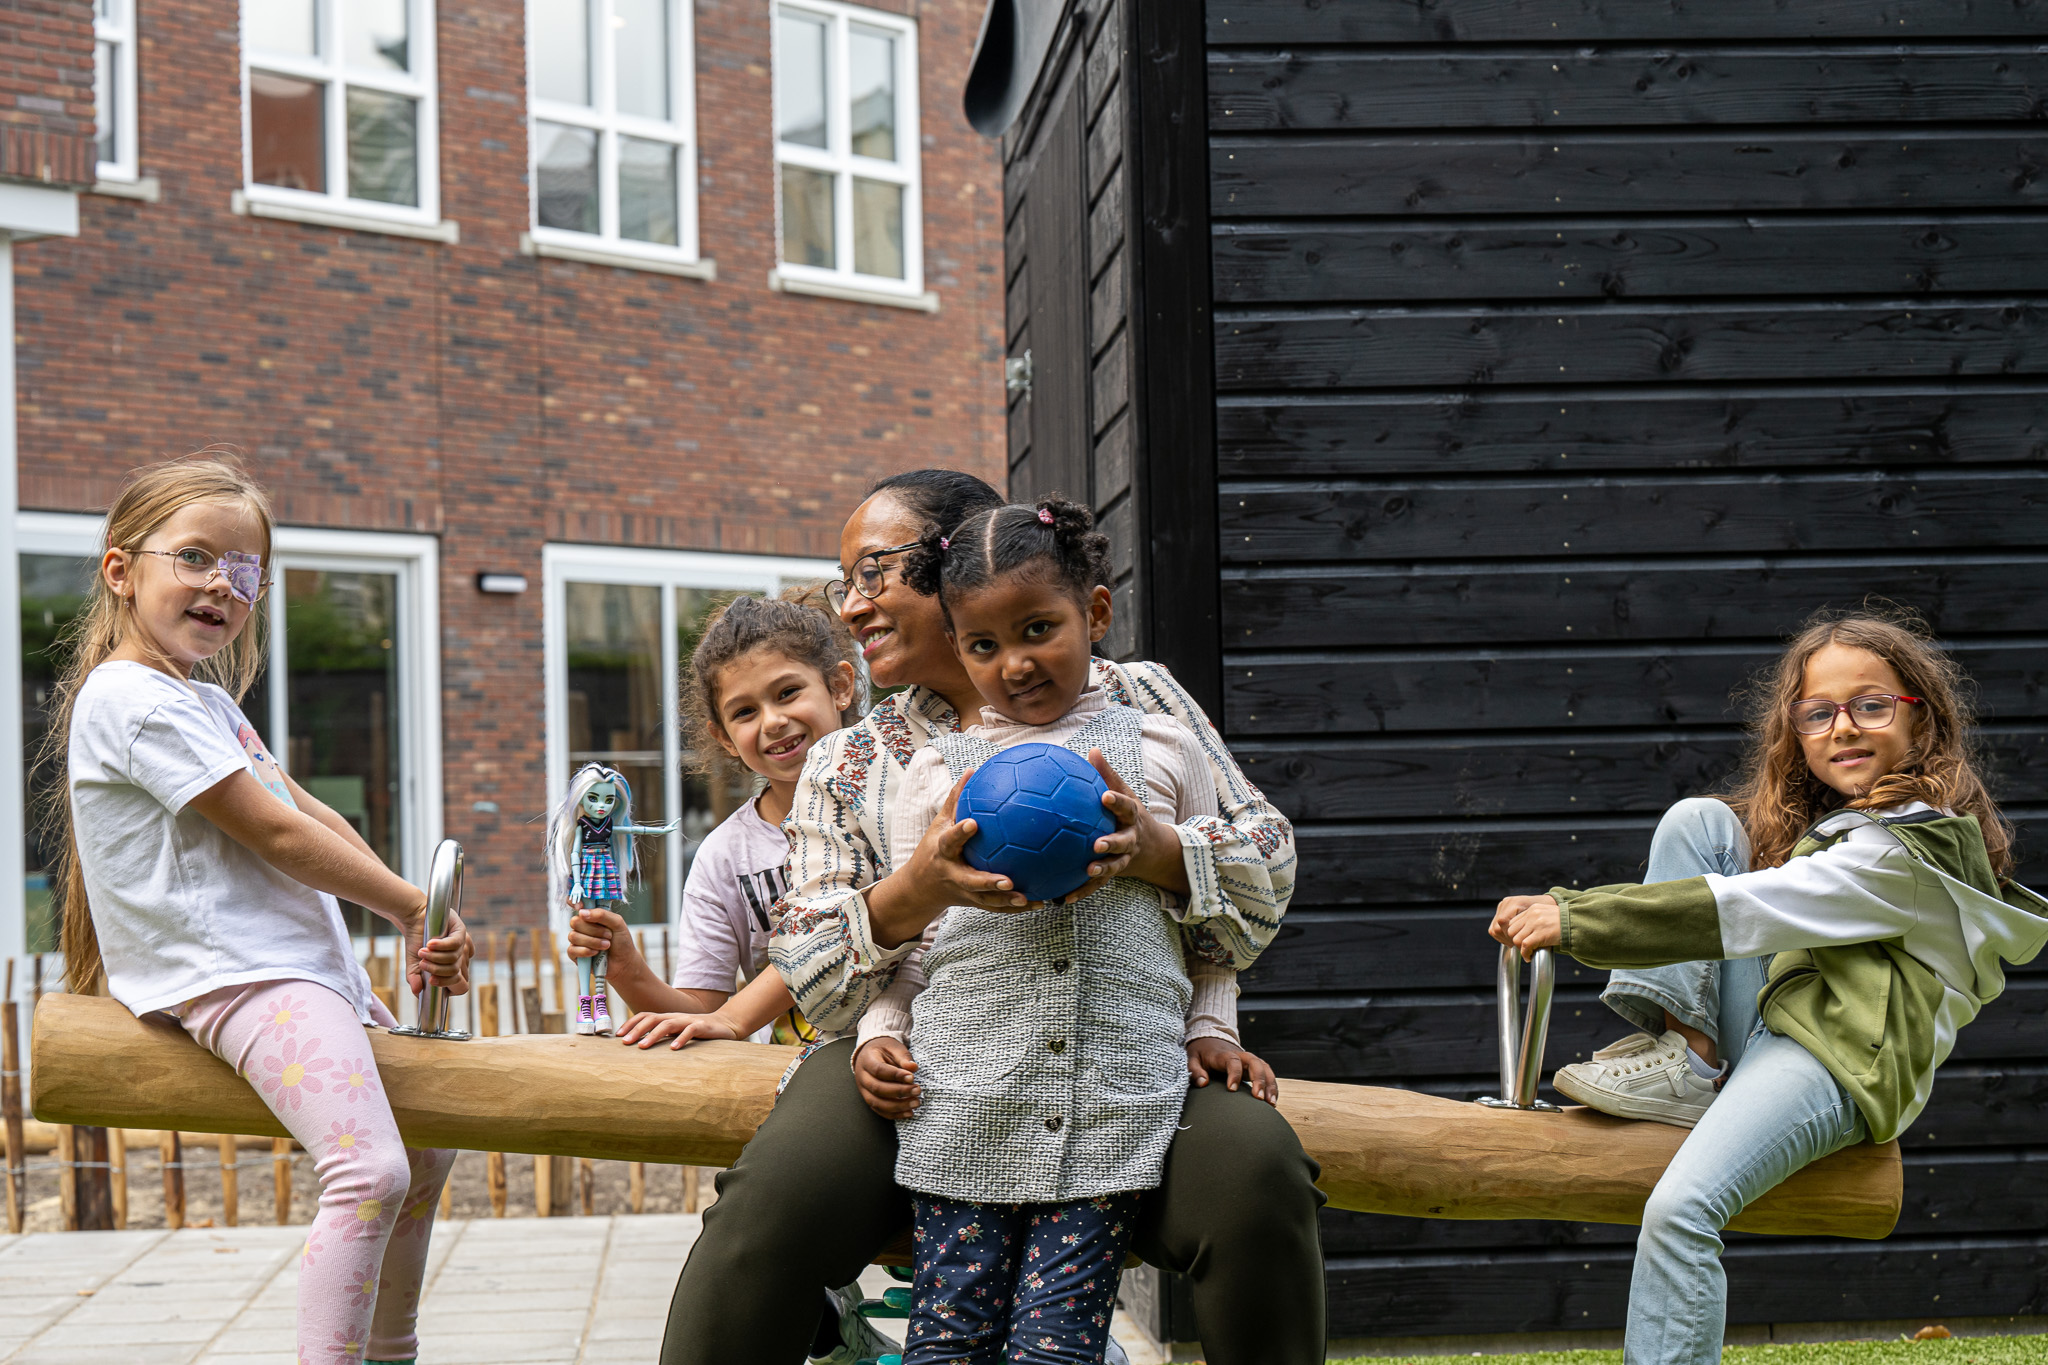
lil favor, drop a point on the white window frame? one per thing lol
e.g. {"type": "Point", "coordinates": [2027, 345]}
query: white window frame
{"type": "Point", "coordinates": [666, 570]}
{"type": "Point", "coordinates": [335, 207]}
{"type": "Point", "coordinates": [117, 30]}
{"type": "Point", "coordinates": [602, 116]}
{"type": "Point", "coordinates": [415, 561]}
{"type": "Point", "coordinates": [838, 158]}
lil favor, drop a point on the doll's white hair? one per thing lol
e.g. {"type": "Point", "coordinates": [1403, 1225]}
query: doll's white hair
{"type": "Point", "coordinates": [562, 831]}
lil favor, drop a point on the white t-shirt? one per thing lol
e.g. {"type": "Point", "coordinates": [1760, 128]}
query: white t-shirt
{"type": "Point", "coordinates": [180, 908]}
{"type": "Point", "coordinates": [729, 902]}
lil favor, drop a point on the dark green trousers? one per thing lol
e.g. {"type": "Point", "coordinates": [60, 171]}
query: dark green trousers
{"type": "Point", "coordinates": [813, 1199]}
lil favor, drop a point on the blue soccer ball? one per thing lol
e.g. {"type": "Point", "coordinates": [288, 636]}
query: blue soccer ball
{"type": "Point", "coordinates": [1038, 811]}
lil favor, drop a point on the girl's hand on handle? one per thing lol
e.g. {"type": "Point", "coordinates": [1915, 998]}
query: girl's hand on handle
{"type": "Point", "coordinates": [1529, 923]}
{"type": "Point", "coordinates": [1220, 1057]}
{"type": "Point", "coordinates": [886, 1076]}
{"type": "Point", "coordinates": [646, 1029]}
{"type": "Point", "coordinates": [446, 958]}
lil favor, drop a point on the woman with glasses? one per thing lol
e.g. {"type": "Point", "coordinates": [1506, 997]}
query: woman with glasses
{"type": "Point", "coordinates": [813, 1199]}
{"type": "Point", "coordinates": [1803, 954]}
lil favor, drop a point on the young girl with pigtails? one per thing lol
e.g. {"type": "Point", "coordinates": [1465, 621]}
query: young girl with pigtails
{"type": "Point", "coordinates": [199, 880]}
{"type": "Point", "coordinates": [1803, 953]}
{"type": "Point", "coordinates": [1049, 1048]}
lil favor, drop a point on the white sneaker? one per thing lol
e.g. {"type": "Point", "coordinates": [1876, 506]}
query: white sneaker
{"type": "Point", "coordinates": [1640, 1077]}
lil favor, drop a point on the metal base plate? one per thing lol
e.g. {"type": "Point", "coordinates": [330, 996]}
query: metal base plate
{"type": "Point", "coordinates": [1539, 1107]}
{"type": "Point", "coordinates": [409, 1031]}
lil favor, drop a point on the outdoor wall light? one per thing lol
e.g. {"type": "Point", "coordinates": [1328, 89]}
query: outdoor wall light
{"type": "Point", "coordinates": [501, 582]}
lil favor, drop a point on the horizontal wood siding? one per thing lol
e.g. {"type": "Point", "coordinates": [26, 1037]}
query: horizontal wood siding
{"type": "Point", "coordinates": [1568, 353]}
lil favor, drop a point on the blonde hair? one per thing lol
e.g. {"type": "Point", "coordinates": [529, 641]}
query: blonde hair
{"type": "Point", "coordinates": [151, 498]}
{"type": "Point", "coordinates": [1777, 795]}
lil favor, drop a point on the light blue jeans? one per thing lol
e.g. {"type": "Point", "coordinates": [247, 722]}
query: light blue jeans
{"type": "Point", "coordinates": [1779, 1110]}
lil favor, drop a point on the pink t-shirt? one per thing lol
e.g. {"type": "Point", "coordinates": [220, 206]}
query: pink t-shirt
{"type": "Point", "coordinates": [728, 901]}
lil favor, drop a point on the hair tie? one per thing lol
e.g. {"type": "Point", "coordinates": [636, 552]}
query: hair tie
{"type": "Point", "coordinates": [945, 544]}
{"type": "Point", "coordinates": [1045, 515]}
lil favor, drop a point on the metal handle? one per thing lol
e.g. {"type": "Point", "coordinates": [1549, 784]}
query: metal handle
{"type": "Point", "coordinates": [1521, 1041]}
{"type": "Point", "coordinates": [444, 893]}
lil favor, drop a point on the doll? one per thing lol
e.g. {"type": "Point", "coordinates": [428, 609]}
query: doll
{"type": "Point", "coordinates": [590, 858]}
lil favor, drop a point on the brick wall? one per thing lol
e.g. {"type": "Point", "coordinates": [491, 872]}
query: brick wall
{"type": "Point", "coordinates": [499, 400]}
{"type": "Point", "coordinates": [46, 112]}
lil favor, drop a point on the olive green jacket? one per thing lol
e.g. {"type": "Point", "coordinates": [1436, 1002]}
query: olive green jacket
{"type": "Point", "coordinates": [1888, 933]}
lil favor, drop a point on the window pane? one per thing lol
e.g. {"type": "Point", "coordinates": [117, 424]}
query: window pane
{"type": "Point", "coordinates": [871, 71]}
{"type": "Point", "coordinates": [282, 26]}
{"type": "Point", "coordinates": [878, 228]}
{"type": "Point", "coordinates": [713, 785]}
{"type": "Point", "coordinates": [647, 190]}
{"type": "Point", "coordinates": [53, 592]}
{"type": "Point", "coordinates": [640, 30]}
{"type": "Point", "coordinates": [373, 34]}
{"type": "Point", "coordinates": [567, 180]}
{"type": "Point", "coordinates": [383, 147]}
{"type": "Point", "coordinates": [615, 695]}
{"type": "Point", "coordinates": [800, 79]}
{"type": "Point", "coordinates": [341, 671]}
{"type": "Point", "coordinates": [104, 112]}
{"type": "Point", "coordinates": [807, 217]}
{"type": "Point", "coordinates": [288, 131]}
{"type": "Point", "coordinates": [561, 50]}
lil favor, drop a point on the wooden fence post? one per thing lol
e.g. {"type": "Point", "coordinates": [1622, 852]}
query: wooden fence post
{"type": "Point", "coordinates": [10, 1105]}
{"type": "Point", "coordinates": [67, 1175]}
{"type": "Point", "coordinates": [587, 1175]}
{"type": "Point", "coordinates": [117, 1184]}
{"type": "Point", "coordinates": [487, 1027]}
{"type": "Point", "coordinates": [636, 1185]}
{"type": "Point", "coordinates": [230, 1182]}
{"type": "Point", "coordinates": [281, 1177]}
{"type": "Point", "coordinates": [171, 1155]}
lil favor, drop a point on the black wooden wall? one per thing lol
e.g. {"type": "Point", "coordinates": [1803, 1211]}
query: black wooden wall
{"type": "Point", "coordinates": [1567, 353]}
{"type": "Point", "coordinates": [1509, 380]}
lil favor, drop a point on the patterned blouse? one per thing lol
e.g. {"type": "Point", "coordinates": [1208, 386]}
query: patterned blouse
{"type": "Point", "coordinates": [1240, 861]}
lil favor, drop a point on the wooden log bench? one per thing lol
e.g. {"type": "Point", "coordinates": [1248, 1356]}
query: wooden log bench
{"type": "Point", "coordinates": [1381, 1150]}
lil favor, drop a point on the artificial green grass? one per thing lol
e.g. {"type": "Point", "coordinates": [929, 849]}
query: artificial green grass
{"type": "Point", "coordinates": [1953, 1351]}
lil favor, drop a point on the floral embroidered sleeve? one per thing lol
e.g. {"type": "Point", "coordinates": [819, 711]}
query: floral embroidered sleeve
{"type": "Point", "coordinates": [821, 944]}
{"type": "Point", "coordinates": [1240, 860]}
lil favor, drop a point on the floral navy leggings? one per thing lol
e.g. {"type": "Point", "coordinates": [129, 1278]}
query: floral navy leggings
{"type": "Point", "coordinates": [304, 1050]}
{"type": "Point", "coordinates": [1033, 1283]}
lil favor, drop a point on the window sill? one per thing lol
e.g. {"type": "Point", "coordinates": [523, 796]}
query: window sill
{"type": "Point", "coordinates": [148, 189]}
{"type": "Point", "coordinates": [706, 270]}
{"type": "Point", "coordinates": [447, 230]}
{"type": "Point", "coordinates": [927, 302]}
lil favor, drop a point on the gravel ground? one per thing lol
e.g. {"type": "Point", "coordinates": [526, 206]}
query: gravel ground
{"type": "Point", "coordinates": [610, 1188]}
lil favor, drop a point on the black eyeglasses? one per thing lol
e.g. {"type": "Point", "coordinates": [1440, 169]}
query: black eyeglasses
{"type": "Point", "coordinates": [1872, 711]}
{"type": "Point", "coordinates": [867, 579]}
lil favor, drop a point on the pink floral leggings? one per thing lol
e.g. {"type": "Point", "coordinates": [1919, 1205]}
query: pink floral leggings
{"type": "Point", "coordinates": [308, 1056]}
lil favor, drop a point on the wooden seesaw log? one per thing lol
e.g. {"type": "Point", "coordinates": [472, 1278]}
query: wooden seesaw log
{"type": "Point", "coordinates": [1381, 1151]}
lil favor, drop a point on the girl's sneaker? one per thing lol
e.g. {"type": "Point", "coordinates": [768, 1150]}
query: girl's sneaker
{"type": "Point", "coordinates": [1641, 1077]}
{"type": "Point", "coordinates": [601, 1014]}
{"type": "Point", "coordinates": [584, 1023]}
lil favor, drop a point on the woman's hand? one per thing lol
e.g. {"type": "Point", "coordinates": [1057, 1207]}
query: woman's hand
{"type": "Point", "coordinates": [885, 1074]}
{"type": "Point", "coordinates": [646, 1029]}
{"type": "Point", "coordinates": [1221, 1057]}
{"type": "Point", "coordinates": [1143, 846]}
{"type": "Point", "coordinates": [1529, 923]}
{"type": "Point", "coordinates": [446, 958]}
{"type": "Point", "coordinates": [934, 878]}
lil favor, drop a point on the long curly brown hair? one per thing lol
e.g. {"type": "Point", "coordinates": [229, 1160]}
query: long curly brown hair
{"type": "Point", "coordinates": [1777, 795]}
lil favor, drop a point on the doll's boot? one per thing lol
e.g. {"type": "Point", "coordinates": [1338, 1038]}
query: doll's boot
{"type": "Point", "coordinates": [601, 1011]}
{"type": "Point", "coordinates": [584, 1022]}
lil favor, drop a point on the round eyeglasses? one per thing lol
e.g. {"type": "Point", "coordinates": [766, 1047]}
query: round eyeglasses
{"type": "Point", "coordinates": [1872, 711]}
{"type": "Point", "coordinates": [241, 574]}
{"type": "Point", "coordinates": [868, 579]}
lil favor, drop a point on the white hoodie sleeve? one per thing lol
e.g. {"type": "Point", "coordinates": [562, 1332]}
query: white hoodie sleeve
{"type": "Point", "coordinates": [1862, 888]}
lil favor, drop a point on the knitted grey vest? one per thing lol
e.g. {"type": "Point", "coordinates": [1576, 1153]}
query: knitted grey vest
{"type": "Point", "coordinates": [1049, 1042]}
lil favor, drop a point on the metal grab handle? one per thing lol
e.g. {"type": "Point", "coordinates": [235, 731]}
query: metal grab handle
{"type": "Point", "coordinates": [444, 893]}
{"type": "Point", "coordinates": [1521, 1041]}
